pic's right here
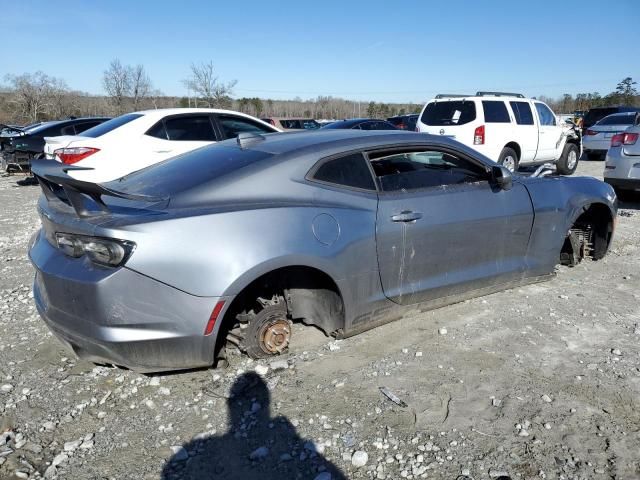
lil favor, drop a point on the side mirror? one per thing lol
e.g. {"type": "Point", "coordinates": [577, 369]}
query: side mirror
{"type": "Point", "coordinates": [502, 177]}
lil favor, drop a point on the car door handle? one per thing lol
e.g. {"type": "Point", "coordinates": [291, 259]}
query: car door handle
{"type": "Point", "coordinates": [406, 216]}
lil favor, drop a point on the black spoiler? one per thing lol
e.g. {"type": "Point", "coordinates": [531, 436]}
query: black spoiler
{"type": "Point", "coordinates": [52, 177]}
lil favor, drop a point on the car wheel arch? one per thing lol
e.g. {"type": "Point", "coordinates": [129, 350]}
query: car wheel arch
{"type": "Point", "coordinates": [597, 217]}
{"type": "Point", "coordinates": [516, 148]}
{"type": "Point", "coordinates": [312, 294]}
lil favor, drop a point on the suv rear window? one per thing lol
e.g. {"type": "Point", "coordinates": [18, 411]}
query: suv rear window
{"type": "Point", "coordinates": [457, 112]}
{"type": "Point", "coordinates": [110, 125]}
{"type": "Point", "coordinates": [522, 112]}
{"type": "Point", "coordinates": [495, 111]}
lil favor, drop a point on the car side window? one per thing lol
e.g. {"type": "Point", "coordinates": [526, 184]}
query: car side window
{"type": "Point", "coordinates": [413, 170]}
{"type": "Point", "coordinates": [233, 126]}
{"type": "Point", "coordinates": [190, 128]}
{"type": "Point", "coordinates": [546, 116]}
{"type": "Point", "coordinates": [522, 112]}
{"type": "Point", "coordinates": [158, 131]}
{"type": "Point", "coordinates": [495, 111]}
{"type": "Point", "coordinates": [351, 171]}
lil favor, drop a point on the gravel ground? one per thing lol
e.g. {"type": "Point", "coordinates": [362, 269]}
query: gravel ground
{"type": "Point", "coordinates": [537, 382]}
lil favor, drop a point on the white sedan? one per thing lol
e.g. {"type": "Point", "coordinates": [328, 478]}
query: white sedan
{"type": "Point", "coordinates": [136, 140]}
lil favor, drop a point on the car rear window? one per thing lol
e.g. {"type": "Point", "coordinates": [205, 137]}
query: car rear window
{"type": "Point", "coordinates": [617, 120]}
{"type": "Point", "coordinates": [110, 125]}
{"type": "Point", "coordinates": [290, 123]}
{"type": "Point", "coordinates": [495, 111]}
{"type": "Point", "coordinates": [522, 112]}
{"type": "Point", "coordinates": [457, 112]}
{"type": "Point", "coordinates": [190, 128]}
{"type": "Point", "coordinates": [189, 170]}
{"type": "Point", "coordinates": [350, 171]}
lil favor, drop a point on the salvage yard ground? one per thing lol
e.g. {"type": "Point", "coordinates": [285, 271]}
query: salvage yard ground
{"type": "Point", "coordinates": [537, 382]}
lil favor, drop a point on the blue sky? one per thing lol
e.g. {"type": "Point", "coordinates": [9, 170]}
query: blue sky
{"type": "Point", "coordinates": [361, 50]}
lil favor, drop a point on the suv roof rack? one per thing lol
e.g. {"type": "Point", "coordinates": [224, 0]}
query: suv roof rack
{"type": "Point", "coordinates": [499, 94]}
{"type": "Point", "coordinates": [452, 95]}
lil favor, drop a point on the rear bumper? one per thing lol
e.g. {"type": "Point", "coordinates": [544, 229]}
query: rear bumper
{"type": "Point", "coordinates": [119, 316]}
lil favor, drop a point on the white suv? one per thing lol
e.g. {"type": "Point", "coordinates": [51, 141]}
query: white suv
{"type": "Point", "coordinates": [506, 127]}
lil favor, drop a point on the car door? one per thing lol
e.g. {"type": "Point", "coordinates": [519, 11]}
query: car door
{"type": "Point", "coordinates": [526, 130]}
{"type": "Point", "coordinates": [549, 133]}
{"type": "Point", "coordinates": [443, 228]}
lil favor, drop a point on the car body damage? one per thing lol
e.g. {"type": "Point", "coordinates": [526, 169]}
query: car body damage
{"type": "Point", "coordinates": [264, 236]}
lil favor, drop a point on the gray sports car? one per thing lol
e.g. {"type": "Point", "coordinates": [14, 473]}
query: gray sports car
{"type": "Point", "coordinates": [341, 229]}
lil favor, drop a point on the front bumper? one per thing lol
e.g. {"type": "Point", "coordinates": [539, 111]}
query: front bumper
{"type": "Point", "coordinates": [119, 316]}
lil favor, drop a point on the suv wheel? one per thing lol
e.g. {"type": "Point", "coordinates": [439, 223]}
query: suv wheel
{"type": "Point", "coordinates": [568, 161]}
{"type": "Point", "coordinates": [509, 159]}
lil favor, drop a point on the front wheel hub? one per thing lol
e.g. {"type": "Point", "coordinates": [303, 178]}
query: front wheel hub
{"type": "Point", "coordinates": [275, 336]}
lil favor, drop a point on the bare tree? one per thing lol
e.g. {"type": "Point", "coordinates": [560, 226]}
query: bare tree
{"type": "Point", "coordinates": [34, 94]}
{"type": "Point", "coordinates": [141, 86]}
{"type": "Point", "coordinates": [205, 84]}
{"type": "Point", "coordinates": [117, 83]}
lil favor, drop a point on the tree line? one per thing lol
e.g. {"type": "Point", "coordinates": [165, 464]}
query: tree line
{"type": "Point", "coordinates": [32, 97]}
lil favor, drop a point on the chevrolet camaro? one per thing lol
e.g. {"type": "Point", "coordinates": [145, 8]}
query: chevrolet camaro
{"type": "Point", "coordinates": [228, 245]}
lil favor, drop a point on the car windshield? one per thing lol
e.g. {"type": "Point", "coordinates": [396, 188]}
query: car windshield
{"type": "Point", "coordinates": [186, 171]}
{"type": "Point", "coordinates": [596, 114]}
{"type": "Point", "coordinates": [456, 112]}
{"type": "Point", "coordinates": [617, 120]}
{"type": "Point", "coordinates": [110, 125]}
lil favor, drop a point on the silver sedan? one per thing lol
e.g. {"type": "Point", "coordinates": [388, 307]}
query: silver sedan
{"type": "Point", "coordinates": [597, 138]}
{"type": "Point", "coordinates": [227, 245]}
{"type": "Point", "coordinates": [622, 167]}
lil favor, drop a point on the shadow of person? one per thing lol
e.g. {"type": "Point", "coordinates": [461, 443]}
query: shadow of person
{"type": "Point", "coordinates": [256, 446]}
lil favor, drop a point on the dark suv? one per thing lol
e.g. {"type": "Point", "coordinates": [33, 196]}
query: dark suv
{"type": "Point", "coordinates": [18, 149]}
{"type": "Point", "coordinates": [404, 122]}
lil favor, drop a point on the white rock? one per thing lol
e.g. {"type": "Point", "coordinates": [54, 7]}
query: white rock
{"type": "Point", "coordinates": [442, 331]}
{"type": "Point", "coordinates": [59, 459]}
{"type": "Point", "coordinates": [261, 370]}
{"type": "Point", "coordinates": [259, 453]}
{"type": "Point", "coordinates": [359, 458]}
{"type": "Point", "coordinates": [546, 398]}
{"type": "Point", "coordinates": [20, 474]}
{"type": "Point", "coordinates": [150, 404]}
{"type": "Point", "coordinates": [179, 453]}
{"type": "Point", "coordinates": [616, 351]}
{"type": "Point", "coordinates": [523, 433]}
{"type": "Point", "coordinates": [71, 446]}
{"type": "Point", "coordinates": [101, 415]}
{"type": "Point", "coordinates": [50, 472]}
{"type": "Point", "coordinates": [155, 382]}
{"type": "Point", "coordinates": [418, 354]}
{"type": "Point", "coordinates": [164, 391]}
{"type": "Point", "coordinates": [279, 365]}
{"type": "Point", "coordinates": [6, 388]}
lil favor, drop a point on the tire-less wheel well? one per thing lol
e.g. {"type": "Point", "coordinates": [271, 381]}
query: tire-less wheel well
{"type": "Point", "coordinates": [310, 296]}
{"type": "Point", "coordinates": [589, 236]}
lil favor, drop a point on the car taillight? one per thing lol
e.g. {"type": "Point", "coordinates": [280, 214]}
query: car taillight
{"type": "Point", "coordinates": [591, 132]}
{"type": "Point", "coordinates": [617, 139]}
{"type": "Point", "coordinates": [73, 155]}
{"type": "Point", "coordinates": [478, 136]}
{"type": "Point", "coordinates": [630, 139]}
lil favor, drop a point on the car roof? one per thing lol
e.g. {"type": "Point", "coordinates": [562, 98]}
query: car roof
{"type": "Point", "coordinates": [355, 121]}
{"type": "Point", "coordinates": [163, 112]}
